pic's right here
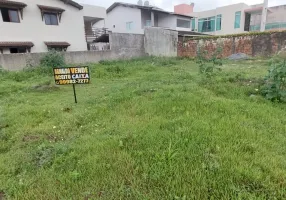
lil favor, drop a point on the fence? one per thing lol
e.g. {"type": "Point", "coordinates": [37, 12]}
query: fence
{"type": "Point", "coordinates": [123, 46]}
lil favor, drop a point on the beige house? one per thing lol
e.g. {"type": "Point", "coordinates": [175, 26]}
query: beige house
{"type": "Point", "coordinates": [235, 18]}
{"type": "Point", "coordinates": [40, 25]}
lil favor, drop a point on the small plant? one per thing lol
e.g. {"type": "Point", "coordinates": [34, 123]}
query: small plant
{"type": "Point", "coordinates": [209, 64]}
{"type": "Point", "coordinates": [53, 59]}
{"type": "Point", "coordinates": [274, 88]}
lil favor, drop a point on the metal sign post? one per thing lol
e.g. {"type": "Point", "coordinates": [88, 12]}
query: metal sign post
{"type": "Point", "coordinates": [74, 93]}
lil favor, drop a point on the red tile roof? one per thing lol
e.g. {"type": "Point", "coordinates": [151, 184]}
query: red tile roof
{"type": "Point", "coordinates": [57, 44]}
{"type": "Point", "coordinates": [17, 4]}
{"type": "Point", "coordinates": [50, 8]}
{"type": "Point", "coordinates": [16, 44]}
{"type": "Point", "coordinates": [14, 4]}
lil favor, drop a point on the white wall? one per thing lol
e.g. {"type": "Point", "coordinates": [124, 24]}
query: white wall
{"type": "Point", "coordinates": [118, 18]}
{"type": "Point", "coordinates": [228, 18]}
{"type": "Point", "coordinates": [92, 11]}
{"type": "Point", "coordinates": [32, 28]}
{"type": "Point", "coordinates": [183, 18]}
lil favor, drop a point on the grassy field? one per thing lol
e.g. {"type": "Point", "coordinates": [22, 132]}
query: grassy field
{"type": "Point", "coordinates": [143, 129]}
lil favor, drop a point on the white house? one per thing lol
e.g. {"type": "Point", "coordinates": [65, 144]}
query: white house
{"type": "Point", "coordinates": [40, 25]}
{"type": "Point", "coordinates": [235, 18]}
{"type": "Point", "coordinates": [131, 18]}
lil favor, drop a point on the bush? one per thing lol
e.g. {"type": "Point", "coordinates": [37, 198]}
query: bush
{"type": "Point", "coordinates": [53, 59]}
{"type": "Point", "coordinates": [274, 88]}
{"type": "Point", "coordinates": [209, 64]}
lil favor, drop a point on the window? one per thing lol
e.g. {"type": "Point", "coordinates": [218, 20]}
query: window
{"type": "Point", "coordinates": [237, 19]}
{"type": "Point", "coordinates": [207, 24]}
{"type": "Point", "coordinates": [193, 21]}
{"type": "Point", "coordinates": [129, 26]}
{"type": "Point", "coordinates": [51, 19]}
{"type": "Point", "coordinates": [57, 48]}
{"type": "Point", "coordinates": [10, 15]}
{"type": "Point", "coordinates": [218, 22]}
{"type": "Point", "coordinates": [183, 23]}
{"type": "Point", "coordinates": [18, 50]}
{"type": "Point", "coordinates": [148, 23]}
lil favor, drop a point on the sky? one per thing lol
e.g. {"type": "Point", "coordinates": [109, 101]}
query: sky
{"type": "Point", "coordinates": [200, 5]}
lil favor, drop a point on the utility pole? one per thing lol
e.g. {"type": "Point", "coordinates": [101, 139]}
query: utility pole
{"type": "Point", "coordinates": [264, 16]}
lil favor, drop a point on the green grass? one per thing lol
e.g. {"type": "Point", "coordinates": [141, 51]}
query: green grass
{"type": "Point", "coordinates": [143, 129]}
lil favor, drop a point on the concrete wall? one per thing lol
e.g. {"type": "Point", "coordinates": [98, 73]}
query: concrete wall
{"type": "Point", "coordinates": [33, 29]}
{"type": "Point", "coordinates": [116, 20]}
{"type": "Point", "coordinates": [160, 42]}
{"type": "Point", "coordinates": [123, 46]}
{"type": "Point", "coordinates": [184, 9]}
{"type": "Point", "coordinates": [253, 45]}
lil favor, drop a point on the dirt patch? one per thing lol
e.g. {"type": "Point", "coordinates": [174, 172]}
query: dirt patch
{"type": "Point", "coordinates": [52, 138]}
{"type": "Point", "coordinates": [4, 126]}
{"type": "Point", "coordinates": [67, 109]}
{"type": "Point", "coordinates": [45, 87]}
{"type": "Point", "coordinates": [2, 195]}
{"type": "Point", "coordinates": [30, 138]}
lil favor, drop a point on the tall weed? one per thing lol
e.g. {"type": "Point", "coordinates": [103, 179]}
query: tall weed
{"type": "Point", "coordinates": [274, 88]}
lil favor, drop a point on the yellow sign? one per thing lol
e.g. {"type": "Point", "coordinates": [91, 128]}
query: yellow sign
{"type": "Point", "coordinates": [72, 75]}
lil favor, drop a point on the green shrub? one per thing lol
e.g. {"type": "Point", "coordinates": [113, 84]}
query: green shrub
{"type": "Point", "coordinates": [274, 88]}
{"type": "Point", "coordinates": [209, 64]}
{"type": "Point", "coordinates": [53, 59]}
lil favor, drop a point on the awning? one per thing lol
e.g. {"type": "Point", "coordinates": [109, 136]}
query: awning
{"type": "Point", "coordinates": [50, 9]}
{"type": "Point", "coordinates": [16, 44]}
{"type": "Point", "coordinates": [14, 5]}
{"type": "Point", "coordinates": [57, 44]}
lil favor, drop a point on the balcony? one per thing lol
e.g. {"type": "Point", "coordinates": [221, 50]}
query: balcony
{"type": "Point", "coordinates": [97, 39]}
{"type": "Point", "coordinates": [270, 26]}
{"type": "Point", "coordinates": [96, 35]}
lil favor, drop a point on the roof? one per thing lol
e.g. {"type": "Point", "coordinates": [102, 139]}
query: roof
{"type": "Point", "coordinates": [12, 4]}
{"type": "Point", "coordinates": [151, 8]}
{"type": "Point", "coordinates": [73, 3]}
{"type": "Point", "coordinates": [50, 8]}
{"type": "Point", "coordinates": [57, 44]}
{"type": "Point", "coordinates": [16, 44]}
{"type": "Point", "coordinates": [23, 5]}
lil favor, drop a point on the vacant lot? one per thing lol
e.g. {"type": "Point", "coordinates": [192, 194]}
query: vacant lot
{"type": "Point", "coordinates": [144, 129]}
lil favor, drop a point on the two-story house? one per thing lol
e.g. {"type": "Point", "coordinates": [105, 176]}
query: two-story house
{"type": "Point", "coordinates": [132, 18]}
{"type": "Point", "coordinates": [40, 25]}
{"type": "Point", "coordinates": [235, 18]}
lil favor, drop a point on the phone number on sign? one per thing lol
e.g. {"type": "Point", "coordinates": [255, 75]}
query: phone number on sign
{"type": "Point", "coordinates": [76, 81]}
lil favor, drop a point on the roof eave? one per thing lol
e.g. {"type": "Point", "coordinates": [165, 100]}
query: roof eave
{"type": "Point", "coordinates": [73, 3]}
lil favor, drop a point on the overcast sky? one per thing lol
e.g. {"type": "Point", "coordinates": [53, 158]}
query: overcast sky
{"type": "Point", "coordinates": [199, 4]}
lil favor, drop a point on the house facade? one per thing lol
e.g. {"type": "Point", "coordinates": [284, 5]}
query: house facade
{"type": "Point", "coordinates": [235, 18]}
{"type": "Point", "coordinates": [131, 18]}
{"type": "Point", "coordinates": [37, 25]}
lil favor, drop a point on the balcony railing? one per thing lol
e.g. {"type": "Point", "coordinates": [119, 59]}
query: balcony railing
{"type": "Point", "coordinates": [94, 33]}
{"type": "Point", "coordinates": [269, 26]}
